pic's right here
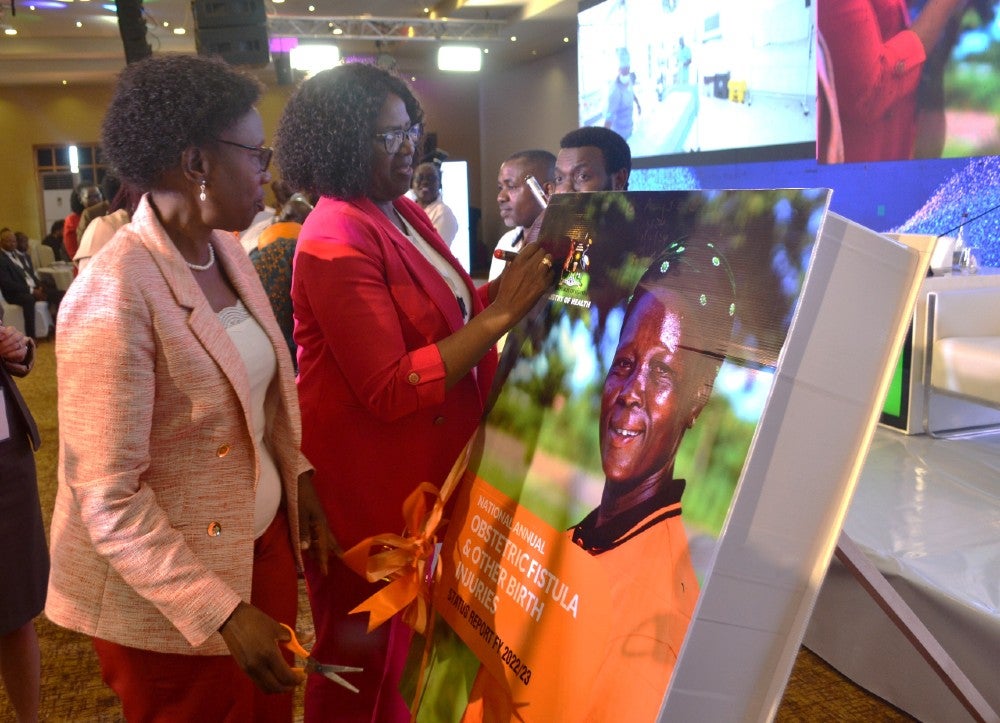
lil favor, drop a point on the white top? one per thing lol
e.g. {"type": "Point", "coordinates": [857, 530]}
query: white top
{"type": "Point", "coordinates": [443, 219]}
{"type": "Point", "coordinates": [263, 219]}
{"type": "Point", "coordinates": [510, 241]}
{"type": "Point", "coordinates": [258, 358]}
{"type": "Point", "coordinates": [98, 233]}
{"type": "Point", "coordinates": [444, 267]}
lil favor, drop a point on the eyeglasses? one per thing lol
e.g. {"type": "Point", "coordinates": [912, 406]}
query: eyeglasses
{"type": "Point", "coordinates": [264, 153]}
{"type": "Point", "coordinates": [393, 140]}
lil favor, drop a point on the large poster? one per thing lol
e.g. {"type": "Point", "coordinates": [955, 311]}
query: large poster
{"type": "Point", "coordinates": [617, 435]}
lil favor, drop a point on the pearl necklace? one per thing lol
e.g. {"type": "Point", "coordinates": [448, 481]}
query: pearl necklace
{"type": "Point", "coordinates": [206, 266]}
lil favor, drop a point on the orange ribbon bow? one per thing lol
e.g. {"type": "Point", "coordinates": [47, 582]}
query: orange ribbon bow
{"type": "Point", "coordinates": [403, 559]}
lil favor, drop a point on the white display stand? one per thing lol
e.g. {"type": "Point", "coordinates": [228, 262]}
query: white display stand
{"type": "Point", "coordinates": [786, 519]}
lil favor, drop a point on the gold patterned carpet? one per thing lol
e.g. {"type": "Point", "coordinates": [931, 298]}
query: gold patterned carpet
{"type": "Point", "coordinates": [72, 691]}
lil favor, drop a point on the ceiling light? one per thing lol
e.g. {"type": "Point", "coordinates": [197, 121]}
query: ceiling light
{"type": "Point", "coordinates": [10, 31]}
{"type": "Point", "coordinates": [180, 31]}
{"type": "Point", "coordinates": [513, 38]}
{"type": "Point", "coordinates": [460, 58]}
{"type": "Point", "coordinates": [79, 24]}
{"type": "Point", "coordinates": [314, 57]}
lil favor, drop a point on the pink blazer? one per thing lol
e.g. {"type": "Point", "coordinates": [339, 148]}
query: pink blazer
{"type": "Point", "coordinates": [152, 533]}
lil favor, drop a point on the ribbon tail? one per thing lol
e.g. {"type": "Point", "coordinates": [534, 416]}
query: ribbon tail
{"type": "Point", "coordinates": [385, 603]}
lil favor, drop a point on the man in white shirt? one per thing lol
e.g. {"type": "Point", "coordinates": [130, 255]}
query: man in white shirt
{"type": "Point", "coordinates": [518, 206]}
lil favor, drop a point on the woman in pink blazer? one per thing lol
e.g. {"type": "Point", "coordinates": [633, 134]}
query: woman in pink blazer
{"type": "Point", "coordinates": [395, 348]}
{"type": "Point", "coordinates": [182, 489]}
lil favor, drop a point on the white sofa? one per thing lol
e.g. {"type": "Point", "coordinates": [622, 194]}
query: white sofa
{"type": "Point", "coordinates": [962, 354]}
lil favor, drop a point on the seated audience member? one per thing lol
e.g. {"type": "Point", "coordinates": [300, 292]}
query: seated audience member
{"type": "Point", "coordinates": [518, 206]}
{"type": "Point", "coordinates": [99, 232]}
{"type": "Point", "coordinates": [182, 487]}
{"type": "Point", "coordinates": [55, 241]}
{"type": "Point", "coordinates": [273, 261]}
{"type": "Point", "coordinates": [50, 291]}
{"type": "Point", "coordinates": [426, 188]}
{"type": "Point", "coordinates": [18, 282]}
{"type": "Point", "coordinates": [80, 200]}
{"type": "Point", "coordinates": [592, 159]}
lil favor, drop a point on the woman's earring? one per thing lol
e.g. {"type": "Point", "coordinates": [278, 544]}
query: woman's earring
{"type": "Point", "coordinates": [202, 195]}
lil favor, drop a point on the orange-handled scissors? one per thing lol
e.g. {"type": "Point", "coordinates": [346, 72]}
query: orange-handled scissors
{"type": "Point", "coordinates": [311, 665]}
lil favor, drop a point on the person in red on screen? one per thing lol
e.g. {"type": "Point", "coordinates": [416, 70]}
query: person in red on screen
{"type": "Point", "coordinates": [674, 338]}
{"type": "Point", "coordinates": [878, 57]}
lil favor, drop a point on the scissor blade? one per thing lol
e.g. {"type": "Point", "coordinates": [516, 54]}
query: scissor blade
{"type": "Point", "coordinates": [330, 672]}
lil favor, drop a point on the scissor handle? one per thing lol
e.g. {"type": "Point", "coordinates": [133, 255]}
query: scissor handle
{"type": "Point", "coordinates": [294, 645]}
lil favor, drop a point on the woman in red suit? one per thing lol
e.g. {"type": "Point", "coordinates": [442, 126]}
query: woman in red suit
{"type": "Point", "coordinates": [395, 349]}
{"type": "Point", "coordinates": [878, 56]}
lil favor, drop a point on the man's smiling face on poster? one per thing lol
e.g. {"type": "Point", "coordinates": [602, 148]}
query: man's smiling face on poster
{"type": "Point", "coordinates": [651, 394]}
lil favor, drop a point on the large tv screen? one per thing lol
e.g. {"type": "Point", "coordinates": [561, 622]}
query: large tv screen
{"type": "Point", "coordinates": [701, 82]}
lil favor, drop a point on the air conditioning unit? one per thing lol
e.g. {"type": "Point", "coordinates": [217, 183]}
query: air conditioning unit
{"type": "Point", "coordinates": [57, 188]}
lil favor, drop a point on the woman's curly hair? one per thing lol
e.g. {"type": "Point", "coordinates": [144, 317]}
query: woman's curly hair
{"type": "Point", "coordinates": [324, 140]}
{"type": "Point", "coordinates": [164, 104]}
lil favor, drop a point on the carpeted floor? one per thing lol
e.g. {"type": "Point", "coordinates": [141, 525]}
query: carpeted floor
{"type": "Point", "coordinates": [72, 691]}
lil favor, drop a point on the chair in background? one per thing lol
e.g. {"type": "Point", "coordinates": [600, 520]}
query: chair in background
{"type": "Point", "coordinates": [13, 315]}
{"type": "Point", "coordinates": [962, 354]}
{"type": "Point", "coordinates": [41, 255]}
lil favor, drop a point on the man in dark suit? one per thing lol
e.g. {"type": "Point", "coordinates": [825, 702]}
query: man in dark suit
{"type": "Point", "coordinates": [52, 293]}
{"type": "Point", "coordinates": [18, 283]}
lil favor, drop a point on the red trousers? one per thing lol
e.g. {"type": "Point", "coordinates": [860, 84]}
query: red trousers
{"type": "Point", "coordinates": [342, 637]}
{"type": "Point", "coordinates": [172, 688]}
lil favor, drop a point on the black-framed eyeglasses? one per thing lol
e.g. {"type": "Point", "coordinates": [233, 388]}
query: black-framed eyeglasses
{"type": "Point", "coordinates": [264, 153]}
{"type": "Point", "coordinates": [393, 140]}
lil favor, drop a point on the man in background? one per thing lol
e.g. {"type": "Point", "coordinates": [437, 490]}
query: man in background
{"type": "Point", "coordinates": [592, 159]}
{"type": "Point", "coordinates": [50, 292]}
{"type": "Point", "coordinates": [518, 206]}
{"type": "Point", "coordinates": [18, 284]}
{"type": "Point", "coordinates": [109, 189]}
